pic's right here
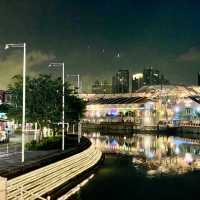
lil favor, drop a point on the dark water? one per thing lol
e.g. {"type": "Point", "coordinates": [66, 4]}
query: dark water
{"type": "Point", "coordinates": [119, 179]}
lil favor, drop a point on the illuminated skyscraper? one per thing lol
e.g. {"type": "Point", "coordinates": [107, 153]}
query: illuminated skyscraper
{"type": "Point", "coordinates": [120, 82]}
{"type": "Point", "coordinates": [153, 77]}
{"type": "Point", "coordinates": [137, 81]}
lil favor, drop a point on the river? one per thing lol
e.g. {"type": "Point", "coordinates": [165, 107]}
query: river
{"type": "Point", "coordinates": [144, 167]}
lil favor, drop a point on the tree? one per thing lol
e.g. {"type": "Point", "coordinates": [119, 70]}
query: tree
{"type": "Point", "coordinates": [4, 108]}
{"type": "Point", "coordinates": [44, 101]}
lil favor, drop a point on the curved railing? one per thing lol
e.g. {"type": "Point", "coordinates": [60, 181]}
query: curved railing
{"type": "Point", "coordinates": [46, 179]}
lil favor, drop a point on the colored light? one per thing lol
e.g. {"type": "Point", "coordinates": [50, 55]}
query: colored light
{"type": "Point", "coordinates": [114, 112]}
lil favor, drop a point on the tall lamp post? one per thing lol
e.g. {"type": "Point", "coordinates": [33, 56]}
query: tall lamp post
{"type": "Point", "coordinates": [61, 64]}
{"type": "Point", "coordinates": [22, 45]}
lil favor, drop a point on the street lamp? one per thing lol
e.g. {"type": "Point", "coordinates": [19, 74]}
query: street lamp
{"type": "Point", "coordinates": [62, 64]}
{"type": "Point", "coordinates": [22, 45]}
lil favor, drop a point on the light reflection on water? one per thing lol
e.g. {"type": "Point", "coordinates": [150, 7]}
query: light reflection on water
{"type": "Point", "coordinates": [158, 154]}
{"type": "Point", "coordinates": [119, 177]}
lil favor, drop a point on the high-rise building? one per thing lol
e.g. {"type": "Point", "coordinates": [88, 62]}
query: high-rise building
{"type": "Point", "coordinates": [199, 79]}
{"type": "Point", "coordinates": [102, 87]}
{"type": "Point", "coordinates": [114, 84]}
{"type": "Point", "coordinates": [149, 76]}
{"type": "Point", "coordinates": [120, 82]}
{"type": "Point", "coordinates": [137, 81]}
{"type": "Point", "coordinates": [153, 77]}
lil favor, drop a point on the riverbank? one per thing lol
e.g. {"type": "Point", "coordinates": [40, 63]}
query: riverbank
{"type": "Point", "coordinates": [128, 129]}
{"type": "Point", "coordinates": [47, 179]}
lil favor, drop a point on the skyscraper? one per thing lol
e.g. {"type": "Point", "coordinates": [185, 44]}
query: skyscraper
{"type": "Point", "coordinates": [102, 87]}
{"type": "Point", "coordinates": [114, 84]}
{"type": "Point", "coordinates": [137, 81]}
{"type": "Point", "coordinates": [153, 77]}
{"type": "Point", "coordinates": [120, 82]}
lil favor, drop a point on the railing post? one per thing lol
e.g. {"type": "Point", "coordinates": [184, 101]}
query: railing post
{"type": "Point", "coordinates": [3, 188]}
{"type": "Point", "coordinates": [21, 192]}
{"type": "Point", "coordinates": [79, 131]}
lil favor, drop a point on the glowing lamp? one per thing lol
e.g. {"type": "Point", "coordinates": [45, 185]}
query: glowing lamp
{"type": "Point", "coordinates": [177, 150]}
{"type": "Point", "coordinates": [198, 109]}
{"type": "Point", "coordinates": [177, 109]}
{"type": "Point", "coordinates": [188, 158]}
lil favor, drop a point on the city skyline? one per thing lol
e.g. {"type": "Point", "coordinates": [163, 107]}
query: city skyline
{"type": "Point", "coordinates": [99, 99]}
{"type": "Point", "coordinates": [97, 37]}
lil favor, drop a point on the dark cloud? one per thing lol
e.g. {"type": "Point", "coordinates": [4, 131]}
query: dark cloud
{"type": "Point", "coordinates": [192, 55]}
{"type": "Point", "coordinates": [11, 64]}
{"type": "Point", "coordinates": [143, 32]}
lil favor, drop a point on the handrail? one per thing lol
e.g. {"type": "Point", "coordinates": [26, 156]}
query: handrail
{"type": "Point", "coordinates": [32, 194]}
{"type": "Point", "coordinates": [46, 179]}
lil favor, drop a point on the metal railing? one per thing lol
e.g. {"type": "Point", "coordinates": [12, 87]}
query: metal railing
{"type": "Point", "coordinates": [23, 193]}
{"type": "Point", "coordinates": [46, 179]}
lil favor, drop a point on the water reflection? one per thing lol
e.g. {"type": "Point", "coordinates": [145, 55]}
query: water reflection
{"type": "Point", "coordinates": [157, 154]}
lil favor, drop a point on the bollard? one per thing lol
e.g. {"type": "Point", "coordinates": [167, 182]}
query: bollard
{"type": "Point", "coordinates": [67, 127]}
{"type": "Point", "coordinates": [7, 149]}
{"type": "Point", "coordinates": [35, 132]}
{"type": "Point", "coordinates": [79, 132]}
{"type": "Point", "coordinates": [3, 188]}
{"type": "Point", "coordinates": [73, 129]}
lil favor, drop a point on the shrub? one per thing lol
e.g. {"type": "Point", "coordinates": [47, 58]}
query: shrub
{"type": "Point", "coordinates": [49, 143]}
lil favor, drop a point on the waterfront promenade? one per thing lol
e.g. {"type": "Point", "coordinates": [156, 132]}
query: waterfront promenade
{"type": "Point", "coordinates": [56, 171]}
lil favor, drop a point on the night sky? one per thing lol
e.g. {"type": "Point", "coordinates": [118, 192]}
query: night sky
{"type": "Point", "coordinates": [96, 38]}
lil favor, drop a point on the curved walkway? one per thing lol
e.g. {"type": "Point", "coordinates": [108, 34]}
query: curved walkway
{"type": "Point", "coordinates": [45, 179]}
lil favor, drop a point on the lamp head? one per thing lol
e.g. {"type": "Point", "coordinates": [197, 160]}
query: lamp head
{"type": "Point", "coordinates": [7, 47]}
{"type": "Point", "coordinates": [56, 64]}
{"type": "Point", "coordinates": [19, 45]}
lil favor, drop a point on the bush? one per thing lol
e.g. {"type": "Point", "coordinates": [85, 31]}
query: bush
{"type": "Point", "coordinates": [49, 143]}
{"type": "Point", "coordinates": [18, 131]}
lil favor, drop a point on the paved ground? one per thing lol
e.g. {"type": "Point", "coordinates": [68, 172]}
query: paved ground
{"type": "Point", "coordinates": [10, 157]}
{"type": "Point", "coordinates": [11, 153]}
